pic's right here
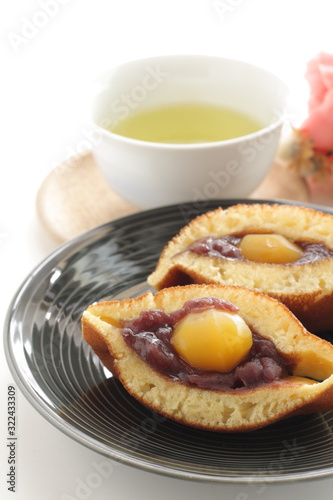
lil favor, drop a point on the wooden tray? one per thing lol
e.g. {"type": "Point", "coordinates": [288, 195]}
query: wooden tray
{"type": "Point", "coordinates": [74, 197]}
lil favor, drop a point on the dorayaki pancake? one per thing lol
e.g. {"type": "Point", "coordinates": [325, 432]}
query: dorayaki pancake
{"type": "Point", "coordinates": [306, 387]}
{"type": "Point", "coordinates": [305, 286]}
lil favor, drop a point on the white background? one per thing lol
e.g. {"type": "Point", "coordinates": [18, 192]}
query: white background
{"type": "Point", "coordinates": [46, 76]}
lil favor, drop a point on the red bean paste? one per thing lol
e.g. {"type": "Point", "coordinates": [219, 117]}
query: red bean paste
{"type": "Point", "coordinates": [227, 247]}
{"type": "Point", "coordinates": [150, 336]}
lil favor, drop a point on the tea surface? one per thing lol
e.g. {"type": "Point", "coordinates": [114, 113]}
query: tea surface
{"type": "Point", "coordinates": [187, 124]}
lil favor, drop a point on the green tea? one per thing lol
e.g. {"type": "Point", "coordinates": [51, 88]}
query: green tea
{"type": "Point", "coordinates": [186, 124]}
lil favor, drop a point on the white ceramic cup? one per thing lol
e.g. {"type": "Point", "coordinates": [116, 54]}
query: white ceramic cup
{"type": "Point", "coordinates": [150, 174]}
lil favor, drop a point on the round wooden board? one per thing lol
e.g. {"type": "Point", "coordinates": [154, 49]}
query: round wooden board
{"type": "Point", "coordinates": [74, 197]}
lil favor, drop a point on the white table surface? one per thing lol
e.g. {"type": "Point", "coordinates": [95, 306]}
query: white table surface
{"type": "Point", "coordinates": [51, 50]}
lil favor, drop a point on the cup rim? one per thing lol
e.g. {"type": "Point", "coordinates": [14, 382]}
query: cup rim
{"type": "Point", "coordinates": [200, 145]}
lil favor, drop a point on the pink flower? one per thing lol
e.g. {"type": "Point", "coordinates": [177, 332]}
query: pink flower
{"type": "Point", "coordinates": [319, 125]}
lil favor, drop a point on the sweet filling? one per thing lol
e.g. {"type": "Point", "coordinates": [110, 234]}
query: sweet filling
{"type": "Point", "coordinates": [205, 344]}
{"type": "Point", "coordinates": [268, 248]}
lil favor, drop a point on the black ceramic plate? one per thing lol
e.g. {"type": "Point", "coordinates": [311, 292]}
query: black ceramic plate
{"type": "Point", "coordinates": [66, 383]}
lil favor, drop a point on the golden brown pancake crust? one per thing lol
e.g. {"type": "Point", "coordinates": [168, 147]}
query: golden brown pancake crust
{"type": "Point", "coordinates": [244, 410]}
{"type": "Point", "coordinates": [306, 289]}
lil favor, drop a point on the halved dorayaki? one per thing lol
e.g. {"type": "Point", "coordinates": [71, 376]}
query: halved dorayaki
{"type": "Point", "coordinates": [222, 358]}
{"type": "Point", "coordinates": [284, 251]}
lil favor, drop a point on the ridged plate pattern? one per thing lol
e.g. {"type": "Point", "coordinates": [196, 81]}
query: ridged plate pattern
{"type": "Point", "coordinates": [66, 383]}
